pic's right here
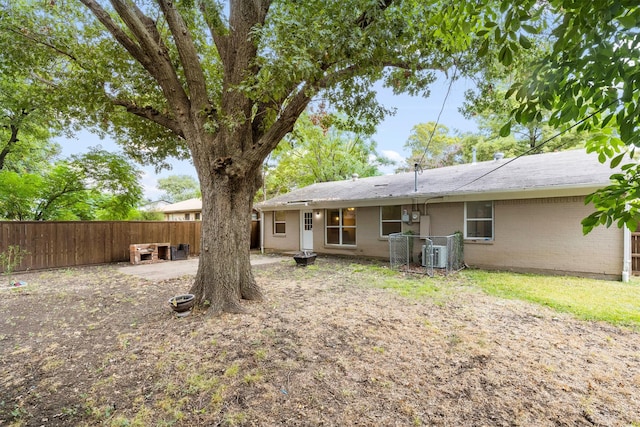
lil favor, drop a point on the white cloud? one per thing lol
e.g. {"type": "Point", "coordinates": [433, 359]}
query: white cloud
{"type": "Point", "coordinates": [149, 185]}
{"type": "Point", "coordinates": [392, 155]}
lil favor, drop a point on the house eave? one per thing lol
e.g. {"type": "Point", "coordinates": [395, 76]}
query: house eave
{"type": "Point", "coordinates": [523, 193]}
{"type": "Point", "coordinates": [419, 198]}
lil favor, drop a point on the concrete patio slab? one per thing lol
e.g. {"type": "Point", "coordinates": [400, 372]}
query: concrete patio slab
{"type": "Point", "coordinates": [171, 269]}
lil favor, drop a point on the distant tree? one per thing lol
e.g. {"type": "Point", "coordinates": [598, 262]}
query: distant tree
{"type": "Point", "coordinates": [320, 150]}
{"type": "Point", "coordinates": [140, 215]}
{"type": "Point", "coordinates": [431, 147]}
{"type": "Point", "coordinates": [487, 142]}
{"type": "Point", "coordinates": [491, 104]}
{"type": "Point", "coordinates": [588, 78]}
{"type": "Point", "coordinates": [178, 188]}
{"type": "Point", "coordinates": [487, 147]}
{"type": "Point", "coordinates": [34, 108]}
{"type": "Point", "coordinates": [28, 119]}
{"type": "Point", "coordinates": [95, 185]}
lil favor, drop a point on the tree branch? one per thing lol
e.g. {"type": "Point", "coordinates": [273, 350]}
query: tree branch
{"type": "Point", "coordinates": [365, 19]}
{"type": "Point", "coordinates": [245, 15]}
{"type": "Point", "coordinates": [151, 52]}
{"type": "Point", "coordinates": [286, 120]}
{"type": "Point", "coordinates": [188, 56]}
{"type": "Point", "coordinates": [7, 149]}
{"type": "Point", "coordinates": [44, 43]}
{"type": "Point", "coordinates": [122, 38]}
{"type": "Point", "coordinates": [151, 114]}
{"type": "Point", "coordinates": [13, 139]}
{"type": "Point", "coordinates": [219, 32]}
{"type": "Point", "coordinates": [44, 205]}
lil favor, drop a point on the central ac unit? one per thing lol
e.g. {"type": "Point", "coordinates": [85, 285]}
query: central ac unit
{"type": "Point", "coordinates": [438, 256]}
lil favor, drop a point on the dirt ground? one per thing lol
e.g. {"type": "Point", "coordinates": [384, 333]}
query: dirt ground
{"type": "Point", "coordinates": [92, 346]}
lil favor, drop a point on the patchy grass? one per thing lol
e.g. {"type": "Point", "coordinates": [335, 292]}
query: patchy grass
{"type": "Point", "coordinates": [589, 299]}
{"type": "Point", "coordinates": [335, 343]}
{"type": "Point", "coordinates": [413, 286]}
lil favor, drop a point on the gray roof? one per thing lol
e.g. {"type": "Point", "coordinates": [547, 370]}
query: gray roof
{"type": "Point", "coordinates": [559, 171]}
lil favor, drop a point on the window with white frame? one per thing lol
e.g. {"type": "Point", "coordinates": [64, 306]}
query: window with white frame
{"type": "Point", "coordinates": [478, 219]}
{"type": "Point", "coordinates": [390, 220]}
{"type": "Point", "coordinates": [340, 226]}
{"type": "Point", "coordinates": [279, 222]}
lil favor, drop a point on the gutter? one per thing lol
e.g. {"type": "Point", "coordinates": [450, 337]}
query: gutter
{"type": "Point", "coordinates": [567, 190]}
{"type": "Point", "coordinates": [626, 253]}
{"type": "Point", "coordinates": [261, 229]}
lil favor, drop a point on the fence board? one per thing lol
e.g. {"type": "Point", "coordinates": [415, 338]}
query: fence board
{"type": "Point", "coordinates": [635, 253]}
{"type": "Point", "coordinates": [55, 244]}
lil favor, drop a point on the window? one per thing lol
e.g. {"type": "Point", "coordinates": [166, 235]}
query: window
{"type": "Point", "coordinates": [478, 220]}
{"type": "Point", "coordinates": [279, 222]}
{"type": "Point", "coordinates": [390, 220]}
{"type": "Point", "coordinates": [341, 226]}
{"type": "Point", "coordinates": [197, 214]}
{"type": "Point", "coordinates": [187, 217]}
{"type": "Point", "coordinates": [308, 221]}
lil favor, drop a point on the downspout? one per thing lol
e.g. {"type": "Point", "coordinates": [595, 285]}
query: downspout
{"type": "Point", "coordinates": [626, 263]}
{"type": "Point", "coordinates": [261, 231]}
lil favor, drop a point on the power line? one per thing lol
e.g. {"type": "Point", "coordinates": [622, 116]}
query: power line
{"type": "Point", "coordinates": [537, 147]}
{"type": "Point", "coordinates": [424, 154]}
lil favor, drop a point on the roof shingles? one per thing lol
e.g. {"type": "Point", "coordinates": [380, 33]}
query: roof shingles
{"type": "Point", "coordinates": [557, 170]}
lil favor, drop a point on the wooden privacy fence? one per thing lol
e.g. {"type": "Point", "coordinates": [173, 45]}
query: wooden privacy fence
{"type": "Point", "coordinates": [73, 243]}
{"type": "Point", "coordinates": [635, 253]}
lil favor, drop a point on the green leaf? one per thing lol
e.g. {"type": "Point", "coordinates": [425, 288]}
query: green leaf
{"type": "Point", "coordinates": [505, 130]}
{"type": "Point", "coordinates": [628, 21]}
{"type": "Point", "coordinates": [524, 42]}
{"type": "Point", "coordinates": [484, 48]}
{"type": "Point", "coordinates": [602, 158]}
{"type": "Point", "coordinates": [616, 161]}
{"type": "Point", "coordinates": [505, 56]}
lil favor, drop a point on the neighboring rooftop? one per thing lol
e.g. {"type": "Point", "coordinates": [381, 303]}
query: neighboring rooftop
{"type": "Point", "coordinates": [574, 169]}
{"type": "Point", "coordinates": [189, 205]}
{"type": "Point", "coordinates": [154, 206]}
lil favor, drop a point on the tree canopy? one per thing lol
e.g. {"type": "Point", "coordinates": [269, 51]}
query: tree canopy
{"type": "Point", "coordinates": [589, 78]}
{"type": "Point", "coordinates": [431, 146]}
{"type": "Point", "coordinates": [320, 150]}
{"type": "Point", "coordinates": [177, 188]}
{"type": "Point", "coordinates": [224, 85]}
{"type": "Point", "coordinates": [94, 185]}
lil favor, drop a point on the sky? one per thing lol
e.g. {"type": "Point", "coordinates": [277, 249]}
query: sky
{"type": "Point", "coordinates": [390, 137]}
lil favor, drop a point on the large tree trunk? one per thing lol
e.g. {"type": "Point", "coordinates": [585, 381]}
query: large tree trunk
{"type": "Point", "coordinates": [225, 244]}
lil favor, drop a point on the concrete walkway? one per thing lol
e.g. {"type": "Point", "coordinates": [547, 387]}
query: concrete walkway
{"type": "Point", "coordinates": [171, 269]}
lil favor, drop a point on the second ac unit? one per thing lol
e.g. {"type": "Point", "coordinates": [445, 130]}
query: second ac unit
{"type": "Point", "coordinates": [438, 256]}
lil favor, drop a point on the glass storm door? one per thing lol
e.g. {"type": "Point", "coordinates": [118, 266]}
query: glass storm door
{"type": "Point", "coordinates": [306, 233]}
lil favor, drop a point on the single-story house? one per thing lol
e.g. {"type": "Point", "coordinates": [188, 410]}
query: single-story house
{"type": "Point", "coordinates": [518, 214]}
{"type": "Point", "coordinates": [186, 210]}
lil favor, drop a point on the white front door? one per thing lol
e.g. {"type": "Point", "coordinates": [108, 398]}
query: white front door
{"type": "Point", "coordinates": [306, 230]}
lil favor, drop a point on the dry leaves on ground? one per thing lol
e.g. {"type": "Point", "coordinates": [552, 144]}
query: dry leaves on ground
{"type": "Point", "coordinates": [91, 346]}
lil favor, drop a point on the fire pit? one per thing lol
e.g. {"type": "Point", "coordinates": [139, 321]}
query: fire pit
{"type": "Point", "coordinates": [305, 258]}
{"type": "Point", "coordinates": [182, 304]}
